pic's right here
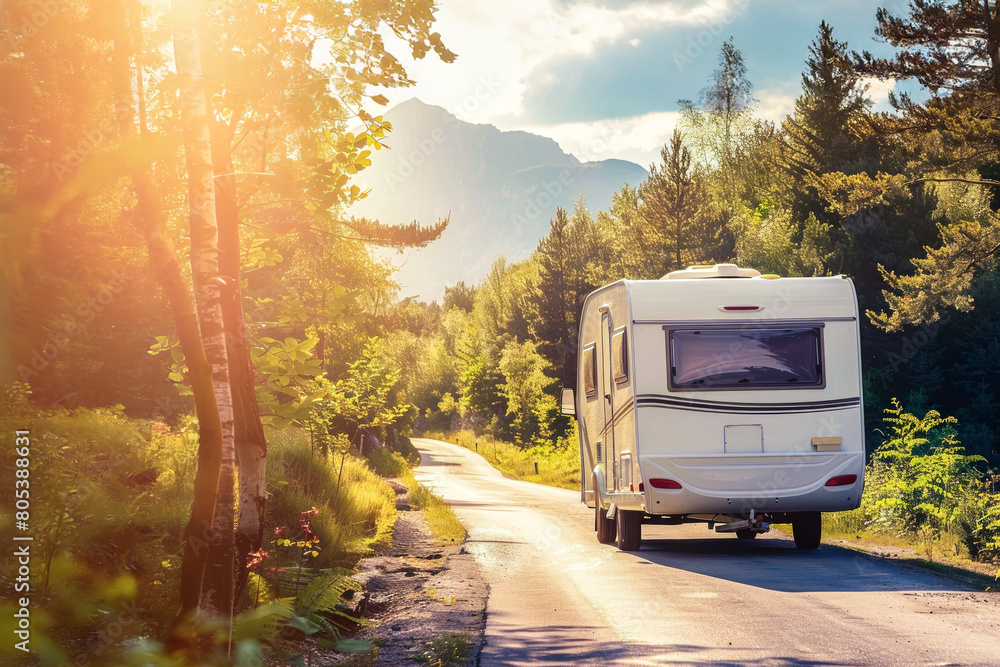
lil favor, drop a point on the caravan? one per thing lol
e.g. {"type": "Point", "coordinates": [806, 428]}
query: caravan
{"type": "Point", "coordinates": [721, 395]}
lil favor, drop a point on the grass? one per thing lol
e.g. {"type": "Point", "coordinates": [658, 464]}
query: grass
{"type": "Point", "coordinates": [443, 521]}
{"type": "Point", "coordinates": [557, 465]}
{"type": "Point", "coordinates": [110, 496]}
{"type": "Point", "coordinates": [357, 509]}
{"type": "Point", "coordinates": [448, 650]}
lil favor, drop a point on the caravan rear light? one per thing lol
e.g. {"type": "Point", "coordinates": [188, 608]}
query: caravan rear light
{"type": "Point", "coordinates": [660, 483]}
{"type": "Point", "coordinates": [842, 480]}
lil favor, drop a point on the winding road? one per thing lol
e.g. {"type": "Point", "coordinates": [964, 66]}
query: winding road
{"type": "Point", "coordinates": [691, 596]}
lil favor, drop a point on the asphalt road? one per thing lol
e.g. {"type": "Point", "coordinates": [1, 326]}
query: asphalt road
{"type": "Point", "coordinates": [691, 596]}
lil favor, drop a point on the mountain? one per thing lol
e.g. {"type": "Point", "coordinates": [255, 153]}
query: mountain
{"type": "Point", "coordinates": [500, 189]}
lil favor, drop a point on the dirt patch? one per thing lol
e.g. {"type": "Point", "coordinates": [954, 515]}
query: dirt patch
{"type": "Point", "coordinates": [418, 589]}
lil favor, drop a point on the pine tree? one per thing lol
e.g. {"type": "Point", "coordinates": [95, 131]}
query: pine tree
{"type": "Point", "coordinates": [822, 134]}
{"type": "Point", "coordinates": [951, 49]}
{"type": "Point", "coordinates": [676, 205]}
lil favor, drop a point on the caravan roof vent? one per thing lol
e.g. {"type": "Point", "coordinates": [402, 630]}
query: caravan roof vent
{"type": "Point", "coordinates": [712, 271]}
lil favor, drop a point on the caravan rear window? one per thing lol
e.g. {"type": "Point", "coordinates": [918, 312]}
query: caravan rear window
{"type": "Point", "coordinates": [750, 358]}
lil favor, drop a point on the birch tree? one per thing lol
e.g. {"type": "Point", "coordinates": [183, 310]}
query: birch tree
{"type": "Point", "coordinates": [217, 583]}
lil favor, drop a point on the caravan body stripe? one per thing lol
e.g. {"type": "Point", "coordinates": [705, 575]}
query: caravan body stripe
{"type": "Point", "coordinates": [664, 401]}
{"type": "Point", "coordinates": [619, 415]}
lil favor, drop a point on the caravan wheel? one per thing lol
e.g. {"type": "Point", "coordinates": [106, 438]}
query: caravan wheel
{"type": "Point", "coordinates": [606, 528]}
{"type": "Point", "coordinates": [807, 527]}
{"type": "Point", "coordinates": [629, 529]}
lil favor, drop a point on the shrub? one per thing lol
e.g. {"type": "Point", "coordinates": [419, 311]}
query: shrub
{"type": "Point", "coordinates": [356, 508]}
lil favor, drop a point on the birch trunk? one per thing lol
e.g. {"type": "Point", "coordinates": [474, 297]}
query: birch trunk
{"type": "Point", "coordinates": [217, 583]}
{"type": "Point", "coordinates": [153, 224]}
{"type": "Point", "coordinates": [250, 443]}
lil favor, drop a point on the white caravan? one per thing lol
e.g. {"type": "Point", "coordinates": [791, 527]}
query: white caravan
{"type": "Point", "coordinates": [717, 394]}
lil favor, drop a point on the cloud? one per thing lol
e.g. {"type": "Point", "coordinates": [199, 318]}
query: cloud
{"type": "Point", "coordinates": [878, 91]}
{"type": "Point", "coordinates": [520, 45]}
{"type": "Point", "coordinates": [638, 138]}
{"type": "Point", "coordinates": [775, 105]}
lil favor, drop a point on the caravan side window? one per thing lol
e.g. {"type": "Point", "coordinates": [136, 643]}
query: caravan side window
{"type": "Point", "coordinates": [746, 358]}
{"type": "Point", "coordinates": [590, 369]}
{"type": "Point", "coordinates": [619, 355]}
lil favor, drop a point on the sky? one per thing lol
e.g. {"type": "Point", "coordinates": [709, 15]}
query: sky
{"type": "Point", "coordinates": [603, 77]}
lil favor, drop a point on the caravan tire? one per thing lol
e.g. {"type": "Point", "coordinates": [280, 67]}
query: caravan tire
{"type": "Point", "coordinates": [629, 529]}
{"type": "Point", "coordinates": [606, 528]}
{"type": "Point", "coordinates": [807, 528]}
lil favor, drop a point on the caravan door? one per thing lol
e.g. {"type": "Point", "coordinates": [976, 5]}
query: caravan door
{"type": "Point", "coordinates": [606, 391]}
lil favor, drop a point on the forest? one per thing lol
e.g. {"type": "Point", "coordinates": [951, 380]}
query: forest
{"type": "Point", "coordinates": [209, 371]}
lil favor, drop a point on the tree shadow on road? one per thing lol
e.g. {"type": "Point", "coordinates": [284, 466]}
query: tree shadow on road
{"type": "Point", "coordinates": [564, 645]}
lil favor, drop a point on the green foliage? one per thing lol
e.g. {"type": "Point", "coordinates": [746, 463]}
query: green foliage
{"type": "Point", "coordinates": [356, 508]}
{"type": "Point", "coordinates": [113, 497]}
{"type": "Point", "coordinates": [824, 133]}
{"type": "Point", "coordinates": [677, 209]}
{"type": "Point", "coordinates": [524, 386]}
{"type": "Point", "coordinates": [364, 398]}
{"type": "Point", "coordinates": [942, 279]}
{"type": "Point", "coordinates": [921, 485]}
{"type": "Point", "coordinates": [481, 382]}
{"type": "Point", "coordinates": [387, 463]}
{"type": "Point", "coordinates": [919, 473]}
{"type": "Point", "coordinates": [109, 499]}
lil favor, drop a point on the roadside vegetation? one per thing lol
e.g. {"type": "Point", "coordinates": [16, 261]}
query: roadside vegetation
{"type": "Point", "coordinates": [448, 650]}
{"type": "Point", "coordinates": [194, 325]}
{"type": "Point", "coordinates": [924, 492]}
{"type": "Point", "coordinates": [108, 526]}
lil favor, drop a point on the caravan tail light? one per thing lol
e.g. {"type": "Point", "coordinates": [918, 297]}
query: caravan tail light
{"type": "Point", "coordinates": [842, 480]}
{"type": "Point", "coordinates": [660, 483]}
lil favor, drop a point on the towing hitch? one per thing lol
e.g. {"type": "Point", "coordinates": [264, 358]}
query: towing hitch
{"type": "Point", "coordinates": [753, 524]}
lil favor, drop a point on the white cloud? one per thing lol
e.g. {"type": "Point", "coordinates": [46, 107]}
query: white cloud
{"type": "Point", "coordinates": [878, 91]}
{"type": "Point", "coordinates": [638, 138]}
{"type": "Point", "coordinates": [517, 41]}
{"type": "Point", "coordinates": [775, 105]}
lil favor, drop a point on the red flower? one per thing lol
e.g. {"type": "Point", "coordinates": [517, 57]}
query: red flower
{"type": "Point", "coordinates": [254, 559]}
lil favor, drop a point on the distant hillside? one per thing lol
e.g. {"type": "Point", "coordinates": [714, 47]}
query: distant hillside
{"type": "Point", "coordinates": [501, 189]}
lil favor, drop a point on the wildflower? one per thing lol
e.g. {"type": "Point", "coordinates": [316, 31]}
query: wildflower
{"type": "Point", "coordinates": [279, 531]}
{"type": "Point", "coordinates": [254, 559]}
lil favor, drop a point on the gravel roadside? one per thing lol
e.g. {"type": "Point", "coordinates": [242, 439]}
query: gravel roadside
{"type": "Point", "coordinates": [420, 589]}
